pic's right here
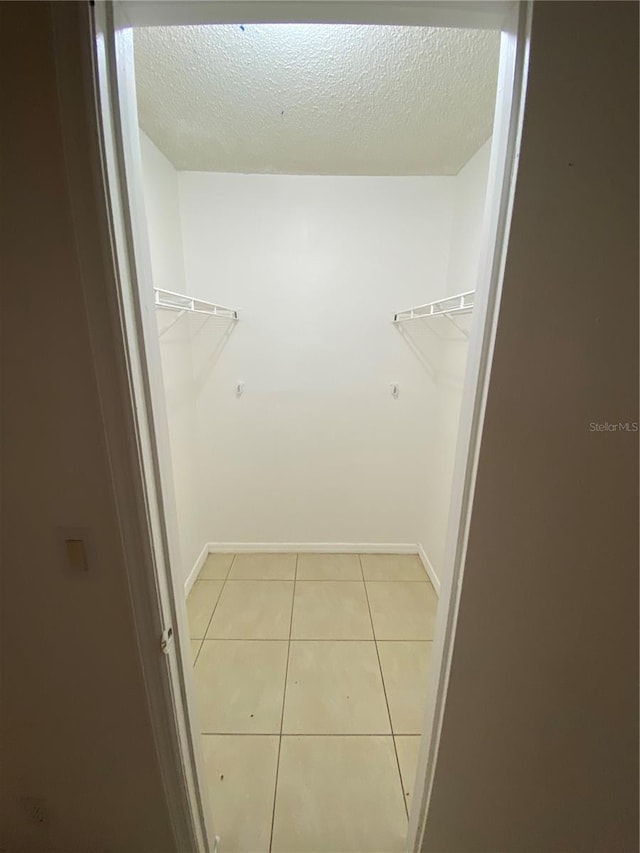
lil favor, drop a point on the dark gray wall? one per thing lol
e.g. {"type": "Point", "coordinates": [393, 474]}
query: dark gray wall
{"type": "Point", "coordinates": [539, 748]}
{"type": "Point", "coordinates": [76, 729]}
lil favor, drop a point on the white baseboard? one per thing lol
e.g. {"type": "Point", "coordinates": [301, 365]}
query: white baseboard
{"type": "Point", "coordinates": [312, 548]}
{"type": "Point", "coordinates": [197, 568]}
{"type": "Point", "coordinates": [426, 562]}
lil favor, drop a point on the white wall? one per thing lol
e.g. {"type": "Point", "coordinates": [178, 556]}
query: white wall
{"type": "Point", "coordinates": [447, 349]}
{"type": "Point", "coordinates": [316, 449]}
{"type": "Point", "coordinates": [162, 208]}
{"type": "Point", "coordinates": [466, 227]}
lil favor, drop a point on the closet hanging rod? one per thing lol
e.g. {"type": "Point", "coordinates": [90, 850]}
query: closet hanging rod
{"type": "Point", "coordinates": [460, 303]}
{"type": "Point", "coordinates": [173, 301]}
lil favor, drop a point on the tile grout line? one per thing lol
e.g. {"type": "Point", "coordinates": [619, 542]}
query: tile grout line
{"type": "Point", "coordinates": [303, 640]}
{"type": "Point", "coordinates": [304, 734]}
{"type": "Point", "coordinates": [224, 580]}
{"type": "Point", "coordinates": [384, 689]}
{"type": "Point", "coordinates": [284, 697]}
{"type": "Point", "coordinates": [195, 660]}
{"type": "Point", "coordinates": [312, 580]}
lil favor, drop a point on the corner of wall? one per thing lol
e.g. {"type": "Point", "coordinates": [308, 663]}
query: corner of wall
{"type": "Point", "coordinates": [192, 577]}
{"type": "Point", "coordinates": [426, 562]}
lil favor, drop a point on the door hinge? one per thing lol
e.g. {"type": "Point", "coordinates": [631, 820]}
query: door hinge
{"type": "Point", "coordinates": [166, 640]}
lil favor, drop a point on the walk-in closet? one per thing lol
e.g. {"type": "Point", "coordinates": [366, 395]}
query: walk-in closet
{"type": "Point", "coordinates": [314, 197]}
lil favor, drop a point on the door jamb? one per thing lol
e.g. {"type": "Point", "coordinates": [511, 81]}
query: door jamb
{"type": "Point", "coordinates": [142, 487]}
{"type": "Point", "coordinates": [501, 182]}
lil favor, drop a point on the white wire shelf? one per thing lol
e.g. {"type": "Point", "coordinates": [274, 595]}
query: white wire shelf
{"type": "Point", "coordinates": [460, 303]}
{"type": "Point", "coordinates": [171, 301]}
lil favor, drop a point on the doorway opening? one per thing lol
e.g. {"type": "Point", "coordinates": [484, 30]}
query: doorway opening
{"type": "Point", "coordinates": [315, 274]}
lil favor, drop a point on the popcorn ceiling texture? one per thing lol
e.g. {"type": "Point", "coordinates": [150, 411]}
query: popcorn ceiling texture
{"type": "Point", "coordinates": [317, 99]}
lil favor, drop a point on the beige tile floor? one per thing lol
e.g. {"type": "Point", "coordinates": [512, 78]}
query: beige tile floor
{"type": "Point", "coordinates": [310, 672]}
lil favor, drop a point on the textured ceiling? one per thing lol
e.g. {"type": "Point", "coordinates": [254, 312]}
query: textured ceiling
{"type": "Point", "coordinates": [317, 98]}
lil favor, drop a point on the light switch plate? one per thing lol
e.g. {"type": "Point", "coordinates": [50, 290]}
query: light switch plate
{"type": "Point", "coordinates": [75, 549]}
{"type": "Point", "coordinates": [77, 555]}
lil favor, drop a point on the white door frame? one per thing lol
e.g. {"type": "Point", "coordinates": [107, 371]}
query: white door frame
{"type": "Point", "coordinates": [505, 152]}
{"type": "Point", "coordinates": [115, 271]}
{"type": "Point", "coordinates": [145, 491]}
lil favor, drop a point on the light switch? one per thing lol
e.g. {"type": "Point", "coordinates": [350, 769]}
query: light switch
{"type": "Point", "coordinates": [76, 550]}
{"type": "Point", "coordinates": [76, 555]}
